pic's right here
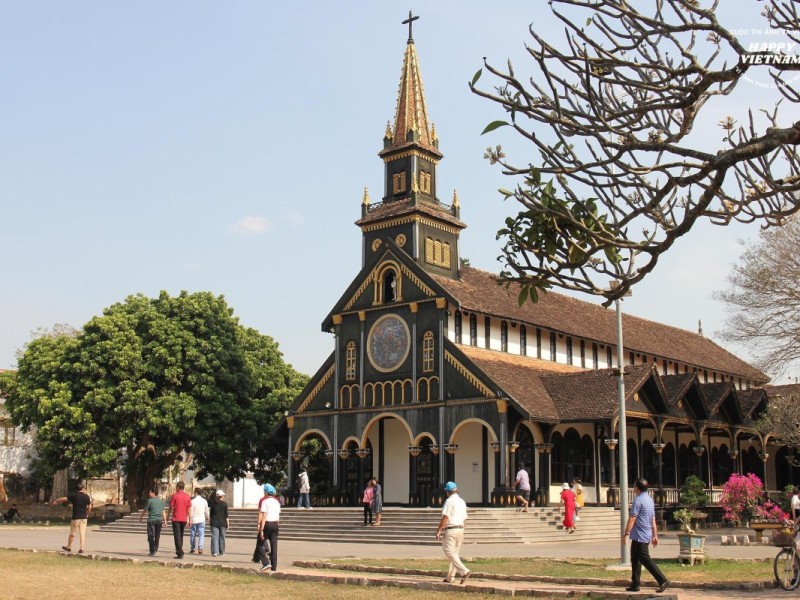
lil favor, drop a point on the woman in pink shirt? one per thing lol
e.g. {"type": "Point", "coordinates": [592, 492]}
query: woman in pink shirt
{"type": "Point", "coordinates": [366, 500]}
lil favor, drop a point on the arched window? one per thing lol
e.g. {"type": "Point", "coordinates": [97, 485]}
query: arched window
{"type": "Point", "coordinates": [699, 464]}
{"type": "Point", "coordinates": [633, 462]}
{"type": "Point", "coordinates": [684, 464]}
{"type": "Point", "coordinates": [428, 353]}
{"type": "Point", "coordinates": [572, 457]}
{"type": "Point", "coordinates": [458, 326]}
{"type": "Point", "coordinates": [350, 362]}
{"type": "Point", "coordinates": [668, 465]}
{"type": "Point", "coordinates": [649, 463]}
{"type": "Point", "coordinates": [721, 465]}
{"type": "Point", "coordinates": [751, 463]}
{"type": "Point", "coordinates": [473, 330]}
{"type": "Point", "coordinates": [389, 286]}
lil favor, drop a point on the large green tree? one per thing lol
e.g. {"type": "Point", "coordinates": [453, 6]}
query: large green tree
{"type": "Point", "coordinates": [613, 105]}
{"type": "Point", "coordinates": [150, 380]}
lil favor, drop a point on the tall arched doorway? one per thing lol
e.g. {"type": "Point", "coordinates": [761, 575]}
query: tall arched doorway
{"type": "Point", "coordinates": [424, 474]}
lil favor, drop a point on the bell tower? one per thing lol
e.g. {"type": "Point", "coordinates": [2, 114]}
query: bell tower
{"type": "Point", "coordinates": [409, 212]}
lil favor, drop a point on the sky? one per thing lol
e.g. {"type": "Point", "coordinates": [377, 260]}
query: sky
{"type": "Point", "coordinates": [225, 147]}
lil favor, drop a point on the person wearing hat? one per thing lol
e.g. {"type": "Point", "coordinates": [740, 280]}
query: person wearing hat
{"type": "Point", "coordinates": [219, 523]}
{"type": "Point", "coordinates": [451, 532]}
{"type": "Point", "coordinates": [568, 500]}
{"type": "Point", "coordinates": [268, 516]}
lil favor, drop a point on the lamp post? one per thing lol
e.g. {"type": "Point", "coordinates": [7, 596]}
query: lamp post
{"type": "Point", "coordinates": [625, 557]}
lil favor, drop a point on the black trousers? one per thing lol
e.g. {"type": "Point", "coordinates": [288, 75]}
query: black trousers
{"type": "Point", "coordinates": [269, 544]}
{"type": "Point", "coordinates": [367, 513]}
{"type": "Point", "coordinates": [640, 557]}
{"type": "Point", "coordinates": [153, 535]}
{"type": "Point", "coordinates": [177, 533]}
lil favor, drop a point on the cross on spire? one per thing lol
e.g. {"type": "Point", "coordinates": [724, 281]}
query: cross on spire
{"type": "Point", "coordinates": [410, 20]}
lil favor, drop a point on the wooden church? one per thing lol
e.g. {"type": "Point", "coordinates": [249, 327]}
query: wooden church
{"type": "Point", "coordinates": [438, 374]}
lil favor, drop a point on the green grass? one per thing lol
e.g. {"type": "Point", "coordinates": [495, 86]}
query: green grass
{"type": "Point", "coordinates": [727, 571]}
{"type": "Point", "coordinates": [26, 575]}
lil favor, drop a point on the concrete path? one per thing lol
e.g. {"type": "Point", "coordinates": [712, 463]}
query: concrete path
{"type": "Point", "coordinates": [239, 552]}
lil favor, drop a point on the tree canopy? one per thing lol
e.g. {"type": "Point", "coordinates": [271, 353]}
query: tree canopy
{"type": "Point", "coordinates": [149, 380]}
{"type": "Point", "coordinates": [624, 167]}
{"type": "Point", "coordinates": [763, 299]}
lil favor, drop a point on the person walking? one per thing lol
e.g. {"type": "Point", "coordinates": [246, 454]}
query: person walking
{"type": "Point", "coordinates": [268, 517]}
{"type": "Point", "coordinates": [366, 500]}
{"type": "Point", "coordinates": [377, 501]}
{"type": "Point", "coordinates": [180, 505]}
{"type": "Point", "coordinates": [197, 528]}
{"type": "Point", "coordinates": [577, 488]}
{"type": "Point", "coordinates": [454, 516]}
{"type": "Point", "coordinates": [257, 550]}
{"type": "Point", "coordinates": [523, 482]}
{"type": "Point", "coordinates": [219, 524]}
{"type": "Point", "coordinates": [303, 498]}
{"type": "Point", "coordinates": [568, 500]}
{"type": "Point", "coordinates": [641, 527]}
{"type": "Point", "coordinates": [81, 508]}
{"type": "Point", "coordinates": [794, 504]}
{"type": "Point", "coordinates": [156, 518]}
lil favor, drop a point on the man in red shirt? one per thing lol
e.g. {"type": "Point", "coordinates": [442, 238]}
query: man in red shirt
{"type": "Point", "coordinates": [179, 507]}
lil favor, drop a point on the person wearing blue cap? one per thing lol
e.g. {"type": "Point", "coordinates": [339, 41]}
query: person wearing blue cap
{"type": "Point", "coordinates": [268, 516]}
{"type": "Point", "coordinates": [454, 515]}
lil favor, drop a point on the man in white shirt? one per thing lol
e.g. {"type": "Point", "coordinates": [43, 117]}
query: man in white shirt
{"type": "Point", "coordinates": [197, 523]}
{"type": "Point", "coordinates": [269, 513]}
{"type": "Point", "coordinates": [794, 505]}
{"type": "Point", "coordinates": [303, 498]}
{"type": "Point", "coordinates": [524, 484]}
{"type": "Point", "coordinates": [454, 515]}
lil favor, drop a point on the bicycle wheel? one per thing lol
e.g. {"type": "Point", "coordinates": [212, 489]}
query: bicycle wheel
{"type": "Point", "coordinates": [787, 572]}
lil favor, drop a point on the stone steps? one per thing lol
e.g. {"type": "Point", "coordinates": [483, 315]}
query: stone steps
{"type": "Point", "coordinates": [415, 526]}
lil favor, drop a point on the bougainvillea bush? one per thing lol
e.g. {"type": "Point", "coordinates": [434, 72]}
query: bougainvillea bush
{"type": "Point", "coordinates": [770, 512]}
{"type": "Point", "coordinates": [740, 496]}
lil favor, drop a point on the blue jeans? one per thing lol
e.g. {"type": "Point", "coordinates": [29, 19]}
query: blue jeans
{"type": "Point", "coordinates": [217, 540]}
{"type": "Point", "coordinates": [197, 536]}
{"type": "Point", "coordinates": [303, 499]}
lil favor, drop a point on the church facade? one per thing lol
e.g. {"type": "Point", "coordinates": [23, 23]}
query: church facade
{"type": "Point", "coordinates": [438, 374]}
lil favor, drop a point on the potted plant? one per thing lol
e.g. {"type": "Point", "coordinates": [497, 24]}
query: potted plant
{"type": "Point", "coordinates": [691, 544]}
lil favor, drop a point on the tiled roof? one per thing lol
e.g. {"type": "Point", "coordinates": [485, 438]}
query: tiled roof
{"type": "Point", "coordinates": [592, 394]}
{"type": "Point", "coordinates": [480, 292]}
{"type": "Point", "coordinates": [397, 208]}
{"type": "Point", "coordinates": [676, 386]}
{"type": "Point", "coordinates": [519, 376]}
{"type": "Point", "coordinates": [715, 393]}
{"type": "Point", "coordinates": [749, 400]}
{"type": "Point", "coordinates": [792, 389]}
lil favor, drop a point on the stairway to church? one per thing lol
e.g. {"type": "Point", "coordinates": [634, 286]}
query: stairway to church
{"type": "Point", "coordinates": [414, 525]}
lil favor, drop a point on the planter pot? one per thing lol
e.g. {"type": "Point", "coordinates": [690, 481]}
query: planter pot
{"type": "Point", "coordinates": [692, 548]}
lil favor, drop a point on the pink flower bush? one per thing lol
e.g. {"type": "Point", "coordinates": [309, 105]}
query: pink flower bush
{"type": "Point", "coordinates": [770, 511]}
{"type": "Point", "coordinates": [740, 496]}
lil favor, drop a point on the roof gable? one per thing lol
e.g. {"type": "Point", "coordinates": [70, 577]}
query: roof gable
{"type": "Point", "coordinates": [360, 294]}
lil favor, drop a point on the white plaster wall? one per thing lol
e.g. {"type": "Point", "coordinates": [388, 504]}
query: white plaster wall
{"type": "Point", "coordinates": [513, 339]}
{"type": "Point", "coordinates": [469, 463]}
{"type": "Point", "coordinates": [246, 492]}
{"type": "Point", "coordinates": [494, 334]}
{"type": "Point", "coordinates": [395, 463]}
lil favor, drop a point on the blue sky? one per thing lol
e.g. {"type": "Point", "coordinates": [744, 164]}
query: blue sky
{"type": "Point", "coordinates": [225, 147]}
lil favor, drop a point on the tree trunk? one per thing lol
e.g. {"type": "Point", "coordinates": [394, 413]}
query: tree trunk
{"type": "Point", "coordinates": [60, 484]}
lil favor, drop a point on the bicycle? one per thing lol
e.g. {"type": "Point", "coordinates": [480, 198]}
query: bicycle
{"type": "Point", "coordinates": [787, 562]}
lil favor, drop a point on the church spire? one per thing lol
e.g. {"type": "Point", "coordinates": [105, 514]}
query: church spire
{"type": "Point", "coordinates": [411, 115]}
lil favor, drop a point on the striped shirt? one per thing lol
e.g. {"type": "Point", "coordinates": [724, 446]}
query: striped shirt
{"type": "Point", "coordinates": [644, 510]}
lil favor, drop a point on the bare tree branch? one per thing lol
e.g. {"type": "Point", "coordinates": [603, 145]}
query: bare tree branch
{"type": "Point", "coordinates": [621, 173]}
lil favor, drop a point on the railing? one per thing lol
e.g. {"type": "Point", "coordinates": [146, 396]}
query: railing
{"type": "Point", "coordinates": [441, 205]}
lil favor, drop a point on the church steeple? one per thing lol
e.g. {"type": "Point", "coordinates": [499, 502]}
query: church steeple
{"type": "Point", "coordinates": [409, 212]}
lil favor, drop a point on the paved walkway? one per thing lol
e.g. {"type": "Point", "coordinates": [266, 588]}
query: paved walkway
{"type": "Point", "coordinates": [239, 553]}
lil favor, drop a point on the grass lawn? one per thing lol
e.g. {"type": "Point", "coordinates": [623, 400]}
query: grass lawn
{"type": "Point", "coordinates": [727, 571]}
{"type": "Point", "coordinates": [26, 575]}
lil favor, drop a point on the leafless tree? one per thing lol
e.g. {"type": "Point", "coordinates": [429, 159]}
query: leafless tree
{"type": "Point", "coordinates": [781, 419]}
{"type": "Point", "coordinates": [623, 168]}
{"type": "Point", "coordinates": [763, 299]}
